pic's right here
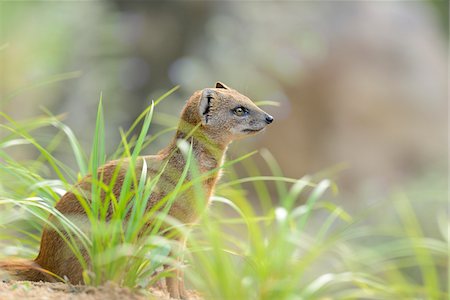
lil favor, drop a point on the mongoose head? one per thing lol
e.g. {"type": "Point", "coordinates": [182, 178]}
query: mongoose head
{"type": "Point", "coordinates": [227, 115]}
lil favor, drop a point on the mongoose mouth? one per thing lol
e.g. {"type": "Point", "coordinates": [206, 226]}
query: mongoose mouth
{"type": "Point", "coordinates": [253, 130]}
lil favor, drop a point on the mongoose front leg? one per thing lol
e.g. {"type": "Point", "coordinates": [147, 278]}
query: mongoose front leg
{"type": "Point", "coordinates": [175, 284]}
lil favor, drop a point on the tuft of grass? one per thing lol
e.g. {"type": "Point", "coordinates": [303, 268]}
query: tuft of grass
{"type": "Point", "coordinates": [286, 240]}
{"type": "Point", "coordinates": [303, 247]}
{"type": "Point", "coordinates": [116, 243]}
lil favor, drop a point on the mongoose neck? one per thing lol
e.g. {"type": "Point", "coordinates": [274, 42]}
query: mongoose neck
{"type": "Point", "coordinates": [208, 153]}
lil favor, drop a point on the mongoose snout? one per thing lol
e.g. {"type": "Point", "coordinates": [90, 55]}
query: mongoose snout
{"type": "Point", "coordinates": [269, 119]}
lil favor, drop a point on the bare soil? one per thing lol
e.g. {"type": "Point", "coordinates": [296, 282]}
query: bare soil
{"type": "Point", "coordinates": [13, 290]}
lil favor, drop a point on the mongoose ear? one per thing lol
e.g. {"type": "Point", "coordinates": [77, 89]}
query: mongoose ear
{"type": "Point", "coordinates": [220, 85]}
{"type": "Point", "coordinates": [205, 105]}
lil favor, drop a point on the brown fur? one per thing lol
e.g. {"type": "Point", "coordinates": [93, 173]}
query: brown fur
{"type": "Point", "coordinates": [210, 113]}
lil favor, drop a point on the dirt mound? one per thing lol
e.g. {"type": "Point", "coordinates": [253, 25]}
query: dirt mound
{"type": "Point", "coordinates": [60, 291]}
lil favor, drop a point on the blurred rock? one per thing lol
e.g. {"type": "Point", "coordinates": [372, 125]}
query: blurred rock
{"type": "Point", "coordinates": [366, 84]}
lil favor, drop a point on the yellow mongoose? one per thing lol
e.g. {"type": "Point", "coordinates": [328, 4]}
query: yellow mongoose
{"type": "Point", "coordinates": [221, 115]}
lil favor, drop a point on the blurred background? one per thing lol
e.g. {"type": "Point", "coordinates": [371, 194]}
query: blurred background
{"type": "Point", "coordinates": [361, 85]}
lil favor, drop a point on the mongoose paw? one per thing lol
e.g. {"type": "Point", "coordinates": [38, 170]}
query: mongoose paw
{"type": "Point", "coordinates": [183, 294]}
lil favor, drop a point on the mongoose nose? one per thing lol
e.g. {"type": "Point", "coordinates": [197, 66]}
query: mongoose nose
{"type": "Point", "coordinates": [269, 119]}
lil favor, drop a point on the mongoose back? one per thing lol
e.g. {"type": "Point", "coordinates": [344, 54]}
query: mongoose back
{"type": "Point", "coordinates": [219, 115]}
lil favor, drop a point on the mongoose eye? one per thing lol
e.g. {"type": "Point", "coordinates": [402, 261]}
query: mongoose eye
{"type": "Point", "coordinates": [240, 111]}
